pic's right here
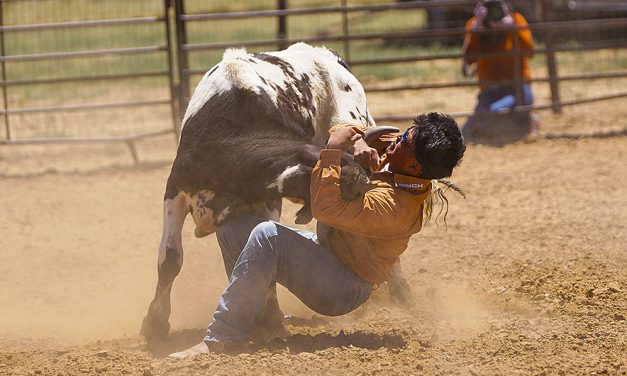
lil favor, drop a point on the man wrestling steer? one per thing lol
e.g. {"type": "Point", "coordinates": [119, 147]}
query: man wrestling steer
{"type": "Point", "coordinates": [357, 242]}
{"type": "Point", "coordinates": [239, 120]}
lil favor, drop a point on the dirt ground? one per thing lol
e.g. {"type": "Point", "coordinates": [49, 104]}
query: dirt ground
{"type": "Point", "coordinates": [529, 276]}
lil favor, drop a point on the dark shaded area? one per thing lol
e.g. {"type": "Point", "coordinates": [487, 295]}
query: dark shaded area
{"type": "Point", "coordinates": [176, 341]}
{"type": "Point", "coordinates": [579, 136]}
{"type": "Point", "coordinates": [573, 10]}
{"type": "Point", "coordinates": [307, 343]}
{"type": "Point", "coordinates": [456, 16]}
{"type": "Point", "coordinates": [295, 344]}
{"type": "Point", "coordinates": [490, 128]}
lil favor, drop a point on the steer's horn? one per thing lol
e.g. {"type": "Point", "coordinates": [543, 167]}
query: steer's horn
{"type": "Point", "coordinates": [373, 133]}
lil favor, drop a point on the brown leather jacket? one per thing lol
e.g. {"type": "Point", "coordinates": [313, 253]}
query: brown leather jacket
{"type": "Point", "coordinates": [367, 235]}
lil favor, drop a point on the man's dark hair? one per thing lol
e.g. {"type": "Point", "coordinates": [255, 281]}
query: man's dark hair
{"type": "Point", "coordinates": [439, 145]}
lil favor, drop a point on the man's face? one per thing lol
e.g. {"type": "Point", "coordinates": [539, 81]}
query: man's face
{"type": "Point", "coordinates": [401, 157]}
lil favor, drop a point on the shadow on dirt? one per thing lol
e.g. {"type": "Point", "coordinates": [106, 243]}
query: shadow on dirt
{"type": "Point", "coordinates": [299, 343]}
{"type": "Point", "coordinates": [176, 341]}
{"type": "Point", "coordinates": [495, 129]}
{"type": "Point", "coordinates": [295, 344]}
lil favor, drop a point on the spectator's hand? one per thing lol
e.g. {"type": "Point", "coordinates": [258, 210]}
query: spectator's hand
{"type": "Point", "coordinates": [468, 70]}
{"type": "Point", "coordinates": [480, 13]}
{"type": "Point", "coordinates": [364, 154]}
{"type": "Point", "coordinates": [505, 22]}
{"type": "Point", "coordinates": [343, 138]}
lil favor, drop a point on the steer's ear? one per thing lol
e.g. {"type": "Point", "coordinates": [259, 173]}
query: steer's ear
{"type": "Point", "coordinates": [340, 60]}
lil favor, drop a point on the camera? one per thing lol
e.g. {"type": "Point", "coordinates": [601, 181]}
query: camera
{"type": "Point", "coordinates": [495, 10]}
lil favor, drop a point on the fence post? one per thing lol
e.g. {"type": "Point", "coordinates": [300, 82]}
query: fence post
{"type": "Point", "coordinates": [282, 25]}
{"type": "Point", "coordinates": [181, 54]}
{"type": "Point", "coordinates": [346, 41]}
{"type": "Point", "coordinates": [550, 60]}
{"type": "Point", "coordinates": [5, 97]}
{"type": "Point", "coordinates": [176, 116]}
{"type": "Point", "coordinates": [518, 78]}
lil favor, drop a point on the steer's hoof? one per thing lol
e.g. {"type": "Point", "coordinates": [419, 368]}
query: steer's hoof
{"type": "Point", "coordinates": [400, 292]}
{"type": "Point", "coordinates": [154, 331]}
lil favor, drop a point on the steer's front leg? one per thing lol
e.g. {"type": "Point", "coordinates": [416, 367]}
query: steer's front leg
{"type": "Point", "coordinates": [398, 287]}
{"type": "Point", "coordinates": [155, 325]}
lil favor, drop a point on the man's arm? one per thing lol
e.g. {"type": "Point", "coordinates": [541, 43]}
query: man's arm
{"type": "Point", "coordinates": [525, 36]}
{"type": "Point", "coordinates": [366, 216]}
{"type": "Point", "coordinates": [376, 215]}
{"type": "Point", "coordinates": [471, 40]}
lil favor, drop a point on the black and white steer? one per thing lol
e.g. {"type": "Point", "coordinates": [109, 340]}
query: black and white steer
{"type": "Point", "coordinates": [251, 134]}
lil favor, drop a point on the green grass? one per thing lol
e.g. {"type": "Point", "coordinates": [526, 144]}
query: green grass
{"type": "Point", "coordinates": [79, 39]}
{"type": "Point", "coordinates": [239, 30]}
{"type": "Point", "coordinates": [18, 12]}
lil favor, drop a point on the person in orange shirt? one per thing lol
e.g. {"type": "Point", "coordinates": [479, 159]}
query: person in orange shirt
{"type": "Point", "coordinates": [334, 270]}
{"type": "Point", "coordinates": [497, 75]}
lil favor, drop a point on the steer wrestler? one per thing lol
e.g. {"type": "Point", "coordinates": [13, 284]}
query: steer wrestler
{"type": "Point", "coordinates": [334, 271]}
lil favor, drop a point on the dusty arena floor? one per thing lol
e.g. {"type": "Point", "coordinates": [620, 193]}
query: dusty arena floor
{"type": "Point", "coordinates": [529, 277]}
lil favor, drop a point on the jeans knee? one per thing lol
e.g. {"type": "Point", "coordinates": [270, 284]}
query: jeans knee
{"type": "Point", "coordinates": [237, 227]}
{"type": "Point", "coordinates": [260, 251]}
{"type": "Point", "coordinates": [263, 231]}
{"type": "Point", "coordinates": [232, 236]}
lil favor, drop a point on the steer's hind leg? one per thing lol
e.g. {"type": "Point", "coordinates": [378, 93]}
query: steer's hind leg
{"type": "Point", "coordinates": [155, 324]}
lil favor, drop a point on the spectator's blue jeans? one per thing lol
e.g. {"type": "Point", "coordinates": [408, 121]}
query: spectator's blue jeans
{"type": "Point", "coordinates": [261, 252]}
{"type": "Point", "coordinates": [500, 98]}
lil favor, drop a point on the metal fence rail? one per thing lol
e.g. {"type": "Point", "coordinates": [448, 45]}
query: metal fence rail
{"type": "Point", "coordinates": [542, 29]}
{"type": "Point", "coordinates": [187, 44]}
{"type": "Point", "coordinates": [7, 83]}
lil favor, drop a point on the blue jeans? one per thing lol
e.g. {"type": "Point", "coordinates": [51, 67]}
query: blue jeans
{"type": "Point", "coordinates": [260, 252]}
{"type": "Point", "coordinates": [499, 98]}
{"type": "Point", "coordinates": [495, 99]}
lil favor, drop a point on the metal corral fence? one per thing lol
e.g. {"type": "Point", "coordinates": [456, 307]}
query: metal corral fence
{"type": "Point", "coordinates": [77, 70]}
{"type": "Point", "coordinates": [400, 41]}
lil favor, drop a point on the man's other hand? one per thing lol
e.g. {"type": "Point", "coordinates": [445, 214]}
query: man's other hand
{"type": "Point", "coordinates": [365, 155]}
{"type": "Point", "coordinates": [343, 138]}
